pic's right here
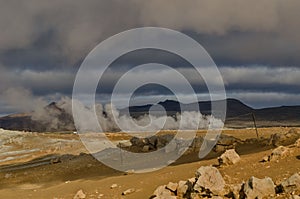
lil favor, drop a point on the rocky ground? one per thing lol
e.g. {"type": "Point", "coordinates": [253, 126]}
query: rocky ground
{"type": "Point", "coordinates": [208, 182]}
{"type": "Point", "coordinates": [58, 166]}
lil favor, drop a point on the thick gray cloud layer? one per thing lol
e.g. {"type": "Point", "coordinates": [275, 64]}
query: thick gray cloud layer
{"type": "Point", "coordinates": [42, 43]}
{"type": "Point", "coordinates": [266, 27]}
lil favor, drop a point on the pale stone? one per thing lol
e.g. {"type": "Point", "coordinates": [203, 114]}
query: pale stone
{"type": "Point", "coordinates": [230, 157]}
{"type": "Point", "coordinates": [209, 178]}
{"type": "Point", "coordinates": [258, 188]}
{"type": "Point", "coordinates": [79, 195]}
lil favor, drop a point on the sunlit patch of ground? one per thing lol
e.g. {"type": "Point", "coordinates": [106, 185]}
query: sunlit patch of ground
{"type": "Point", "coordinates": [29, 168]}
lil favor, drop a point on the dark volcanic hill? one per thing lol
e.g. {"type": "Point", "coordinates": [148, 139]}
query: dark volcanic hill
{"type": "Point", "coordinates": [234, 108]}
{"type": "Point", "coordinates": [239, 115]}
{"type": "Point", "coordinates": [50, 119]}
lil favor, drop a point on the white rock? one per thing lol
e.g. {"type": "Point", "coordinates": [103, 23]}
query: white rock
{"type": "Point", "coordinates": [258, 188]}
{"type": "Point", "coordinates": [113, 186]}
{"type": "Point", "coordinates": [182, 188]}
{"type": "Point", "coordinates": [131, 171]}
{"type": "Point", "coordinates": [161, 192]}
{"type": "Point", "coordinates": [192, 180]}
{"type": "Point", "coordinates": [79, 195]}
{"type": "Point", "coordinates": [230, 157]}
{"type": "Point", "coordinates": [172, 186]}
{"type": "Point", "coordinates": [161, 189]}
{"type": "Point", "coordinates": [100, 195]}
{"type": "Point", "coordinates": [278, 153]}
{"type": "Point", "coordinates": [128, 191]}
{"type": "Point", "coordinates": [209, 178]}
{"type": "Point", "coordinates": [235, 190]}
{"type": "Point", "coordinates": [291, 184]}
{"type": "Point", "coordinates": [125, 143]}
{"type": "Point", "coordinates": [265, 159]}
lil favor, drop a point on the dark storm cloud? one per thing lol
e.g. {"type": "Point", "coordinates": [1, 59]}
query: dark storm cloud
{"type": "Point", "coordinates": [40, 83]}
{"type": "Point", "coordinates": [246, 31]}
{"type": "Point", "coordinates": [42, 43]}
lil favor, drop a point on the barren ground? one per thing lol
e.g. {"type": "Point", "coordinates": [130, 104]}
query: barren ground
{"type": "Point", "coordinates": [21, 178]}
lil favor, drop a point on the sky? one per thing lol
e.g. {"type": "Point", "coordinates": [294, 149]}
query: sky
{"type": "Point", "coordinates": [255, 45]}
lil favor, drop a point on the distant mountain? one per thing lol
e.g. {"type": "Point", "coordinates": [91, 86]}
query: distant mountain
{"type": "Point", "coordinates": [234, 108]}
{"type": "Point", "coordinates": [239, 115]}
{"type": "Point", "coordinates": [50, 119]}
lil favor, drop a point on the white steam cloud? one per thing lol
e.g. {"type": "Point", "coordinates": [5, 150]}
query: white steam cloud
{"type": "Point", "coordinates": [58, 116]}
{"type": "Point", "coordinates": [111, 120]}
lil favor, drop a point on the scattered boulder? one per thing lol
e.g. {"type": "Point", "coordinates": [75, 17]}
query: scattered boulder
{"type": "Point", "coordinates": [125, 144]}
{"type": "Point", "coordinates": [234, 191]}
{"type": "Point", "coordinates": [79, 195]}
{"type": "Point", "coordinates": [172, 186]}
{"type": "Point", "coordinates": [297, 143]}
{"type": "Point", "coordinates": [162, 192]}
{"type": "Point", "coordinates": [129, 172]}
{"type": "Point", "coordinates": [139, 142]}
{"type": "Point", "coordinates": [153, 142]}
{"type": "Point", "coordinates": [128, 191]}
{"type": "Point", "coordinates": [288, 138]}
{"type": "Point", "coordinates": [230, 157]}
{"type": "Point", "coordinates": [192, 180]}
{"type": "Point", "coordinates": [113, 186]}
{"type": "Point", "coordinates": [182, 189]}
{"type": "Point", "coordinates": [209, 183]}
{"type": "Point", "coordinates": [210, 180]}
{"type": "Point", "coordinates": [258, 188]}
{"type": "Point", "coordinates": [279, 153]}
{"type": "Point", "coordinates": [291, 184]}
{"type": "Point", "coordinates": [146, 148]}
{"type": "Point", "coordinates": [265, 159]}
{"type": "Point", "coordinates": [180, 145]}
{"type": "Point", "coordinates": [226, 142]}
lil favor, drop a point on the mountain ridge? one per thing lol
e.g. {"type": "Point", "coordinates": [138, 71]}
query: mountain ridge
{"type": "Point", "coordinates": [238, 115]}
